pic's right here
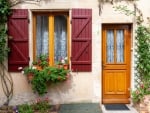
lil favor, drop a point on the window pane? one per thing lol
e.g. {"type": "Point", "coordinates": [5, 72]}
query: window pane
{"type": "Point", "coordinates": [60, 37]}
{"type": "Point", "coordinates": [120, 46]}
{"type": "Point", "coordinates": [42, 35]}
{"type": "Point", "coordinates": [110, 46]}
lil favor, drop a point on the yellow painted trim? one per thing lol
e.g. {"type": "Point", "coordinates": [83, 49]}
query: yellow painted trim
{"type": "Point", "coordinates": [68, 39]}
{"type": "Point", "coordinates": [51, 40]}
{"type": "Point", "coordinates": [51, 36]}
{"type": "Point", "coordinates": [34, 37]}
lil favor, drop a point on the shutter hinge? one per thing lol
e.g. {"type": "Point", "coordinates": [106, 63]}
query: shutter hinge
{"type": "Point", "coordinates": [28, 20]}
{"type": "Point", "coordinates": [29, 58]}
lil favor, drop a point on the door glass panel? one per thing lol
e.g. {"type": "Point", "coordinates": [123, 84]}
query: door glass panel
{"type": "Point", "coordinates": [120, 46]}
{"type": "Point", "coordinates": [60, 37]}
{"type": "Point", "coordinates": [41, 35]}
{"type": "Point", "coordinates": [110, 46]}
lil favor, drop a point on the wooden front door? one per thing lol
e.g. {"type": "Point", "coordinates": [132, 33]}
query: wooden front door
{"type": "Point", "coordinates": [116, 40]}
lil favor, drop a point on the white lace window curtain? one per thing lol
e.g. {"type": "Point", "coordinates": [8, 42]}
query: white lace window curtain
{"type": "Point", "coordinates": [120, 46]}
{"type": "Point", "coordinates": [60, 37]}
{"type": "Point", "coordinates": [42, 35]}
{"type": "Point", "coordinates": [110, 46]}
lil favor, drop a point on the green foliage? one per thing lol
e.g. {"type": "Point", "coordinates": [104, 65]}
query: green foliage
{"type": "Point", "coordinates": [124, 9]}
{"type": "Point", "coordinates": [142, 56]}
{"type": "Point", "coordinates": [4, 10]}
{"type": "Point", "coordinates": [42, 76]}
{"type": "Point", "coordinates": [143, 50]}
{"type": "Point", "coordinates": [39, 83]}
{"type": "Point", "coordinates": [139, 93]}
{"type": "Point", "coordinates": [142, 63]}
{"type": "Point", "coordinates": [42, 61]}
{"type": "Point", "coordinates": [25, 108]}
{"type": "Point", "coordinates": [55, 74]}
{"type": "Point", "coordinates": [3, 47]}
{"type": "Point", "coordinates": [4, 13]}
{"type": "Point", "coordinates": [28, 70]}
{"type": "Point", "coordinates": [39, 106]}
{"type": "Point", "coordinates": [48, 74]}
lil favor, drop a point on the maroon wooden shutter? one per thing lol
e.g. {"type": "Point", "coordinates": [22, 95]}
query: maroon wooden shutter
{"type": "Point", "coordinates": [81, 55]}
{"type": "Point", "coordinates": [18, 43]}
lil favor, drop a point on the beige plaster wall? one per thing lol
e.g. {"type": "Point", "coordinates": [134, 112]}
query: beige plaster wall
{"type": "Point", "coordinates": [82, 87]}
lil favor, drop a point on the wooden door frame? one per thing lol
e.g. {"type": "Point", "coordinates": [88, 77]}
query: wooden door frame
{"type": "Point", "coordinates": [130, 44]}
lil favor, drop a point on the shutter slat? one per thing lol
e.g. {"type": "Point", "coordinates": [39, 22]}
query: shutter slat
{"type": "Point", "coordinates": [81, 62]}
{"type": "Point", "coordinates": [18, 44]}
{"type": "Point", "coordinates": [19, 17]}
{"type": "Point", "coordinates": [80, 39]}
{"type": "Point", "coordinates": [18, 62]}
{"type": "Point", "coordinates": [81, 55]}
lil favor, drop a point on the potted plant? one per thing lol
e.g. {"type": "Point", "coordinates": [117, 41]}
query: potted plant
{"type": "Point", "coordinates": [30, 72]}
{"type": "Point", "coordinates": [41, 62]}
{"type": "Point", "coordinates": [39, 83]}
{"type": "Point", "coordinates": [63, 63]}
{"type": "Point", "coordinates": [55, 74]}
{"type": "Point", "coordinates": [40, 77]}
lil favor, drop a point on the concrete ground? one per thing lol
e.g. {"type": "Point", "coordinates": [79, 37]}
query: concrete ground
{"type": "Point", "coordinates": [90, 108]}
{"type": "Point", "coordinates": [80, 108]}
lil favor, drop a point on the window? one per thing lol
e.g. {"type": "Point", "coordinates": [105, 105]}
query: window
{"type": "Point", "coordinates": [51, 36]}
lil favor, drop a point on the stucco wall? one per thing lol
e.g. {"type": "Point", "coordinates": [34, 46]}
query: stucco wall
{"type": "Point", "coordinates": [82, 87]}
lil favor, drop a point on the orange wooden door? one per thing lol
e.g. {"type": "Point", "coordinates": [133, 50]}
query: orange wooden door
{"type": "Point", "coordinates": [116, 63]}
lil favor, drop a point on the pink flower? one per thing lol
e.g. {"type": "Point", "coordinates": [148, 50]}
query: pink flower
{"type": "Point", "coordinates": [20, 68]}
{"type": "Point", "coordinates": [46, 99]}
{"type": "Point", "coordinates": [62, 61]}
{"type": "Point", "coordinates": [137, 92]}
{"type": "Point", "coordinates": [38, 100]}
{"type": "Point", "coordinates": [142, 86]}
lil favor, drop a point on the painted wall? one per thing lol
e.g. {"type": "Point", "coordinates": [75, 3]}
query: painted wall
{"type": "Point", "coordinates": [82, 87]}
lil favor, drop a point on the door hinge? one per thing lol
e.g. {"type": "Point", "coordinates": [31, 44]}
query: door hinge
{"type": "Point", "coordinates": [70, 21]}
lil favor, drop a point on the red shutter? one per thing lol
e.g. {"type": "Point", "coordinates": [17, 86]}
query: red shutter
{"type": "Point", "coordinates": [81, 55]}
{"type": "Point", "coordinates": [18, 43]}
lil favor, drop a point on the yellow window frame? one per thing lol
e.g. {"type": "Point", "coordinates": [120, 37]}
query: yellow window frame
{"type": "Point", "coordinates": [51, 34]}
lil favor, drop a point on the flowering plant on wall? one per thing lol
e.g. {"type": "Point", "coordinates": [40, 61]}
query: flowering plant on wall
{"type": "Point", "coordinates": [139, 93]}
{"type": "Point", "coordinates": [63, 63]}
{"type": "Point", "coordinates": [41, 62]}
{"type": "Point", "coordinates": [41, 73]}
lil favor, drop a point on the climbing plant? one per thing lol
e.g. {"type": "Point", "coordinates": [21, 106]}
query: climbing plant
{"type": "Point", "coordinates": [102, 2]}
{"type": "Point", "coordinates": [4, 12]}
{"type": "Point", "coordinates": [142, 53]}
{"type": "Point", "coordinates": [6, 80]}
{"type": "Point", "coordinates": [142, 62]}
{"type": "Point", "coordinates": [5, 77]}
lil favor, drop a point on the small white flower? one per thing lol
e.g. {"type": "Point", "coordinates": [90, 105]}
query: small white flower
{"type": "Point", "coordinates": [62, 61]}
{"type": "Point", "coordinates": [22, 72]}
{"type": "Point", "coordinates": [20, 68]}
{"type": "Point", "coordinates": [34, 67]}
{"type": "Point", "coordinates": [66, 58]}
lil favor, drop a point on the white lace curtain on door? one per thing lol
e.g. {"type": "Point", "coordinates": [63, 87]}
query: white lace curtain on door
{"type": "Point", "coordinates": [117, 46]}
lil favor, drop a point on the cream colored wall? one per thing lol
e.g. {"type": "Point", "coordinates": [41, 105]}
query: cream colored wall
{"type": "Point", "coordinates": [85, 86]}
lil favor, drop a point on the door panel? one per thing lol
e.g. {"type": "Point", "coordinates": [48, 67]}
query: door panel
{"type": "Point", "coordinates": [116, 63]}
